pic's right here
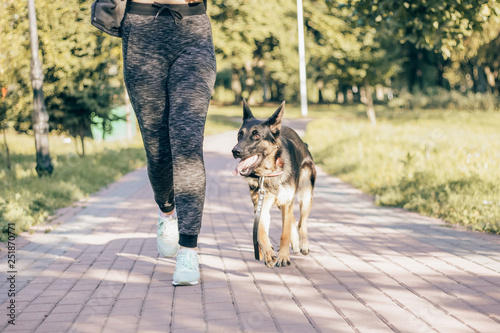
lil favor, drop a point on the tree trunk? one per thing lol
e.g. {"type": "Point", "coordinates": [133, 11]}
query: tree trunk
{"type": "Point", "coordinates": [440, 71]}
{"type": "Point", "coordinates": [76, 144]}
{"type": "Point", "coordinates": [415, 74]}
{"type": "Point", "coordinates": [490, 78]}
{"type": "Point", "coordinates": [40, 116]}
{"type": "Point", "coordinates": [370, 110]}
{"type": "Point", "coordinates": [321, 84]}
{"type": "Point", "coordinates": [380, 92]}
{"type": "Point", "coordinates": [82, 140]}
{"type": "Point", "coordinates": [249, 79]}
{"type": "Point", "coordinates": [349, 96]}
{"type": "Point", "coordinates": [236, 86]}
{"type": "Point", "coordinates": [103, 129]}
{"type": "Point", "coordinates": [6, 149]}
{"type": "Point", "coordinates": [263, 82]}
{"type": "Point", "coordinates": [279, 93]}
{"type": "Point", "coordinates": [340, 97]}
{"type": "Point", "coordinates": [478, 76]}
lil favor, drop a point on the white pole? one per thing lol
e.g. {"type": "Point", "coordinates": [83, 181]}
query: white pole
{"type": "Point", "coordinates": [302, 59]}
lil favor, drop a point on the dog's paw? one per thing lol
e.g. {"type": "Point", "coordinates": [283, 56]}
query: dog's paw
{"type": "Point", "coordinates": [304, 248]}
{"type": "Point", "coordinates": [283, 261]}
{"type": "Point", "coordinates": [271, 262]}
{"type": "Point", "coordinates": [268, 256]}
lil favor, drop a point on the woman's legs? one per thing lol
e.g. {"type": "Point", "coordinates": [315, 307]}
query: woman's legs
{"type": "Point", "coordinates": [170, 73]}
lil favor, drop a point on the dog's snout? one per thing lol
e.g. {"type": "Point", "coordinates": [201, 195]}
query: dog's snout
{"type": "Point", "coordinates": [237, 152]}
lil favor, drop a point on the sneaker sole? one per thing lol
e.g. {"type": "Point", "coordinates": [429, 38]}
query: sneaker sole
{"type": "Point", "coordinates": [168, 255]}
{"type": "Point", "coordinates": [185, 283]}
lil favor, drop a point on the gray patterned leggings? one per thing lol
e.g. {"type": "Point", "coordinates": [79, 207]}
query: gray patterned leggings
{"type": "Point", "coordinates": [169, 70]}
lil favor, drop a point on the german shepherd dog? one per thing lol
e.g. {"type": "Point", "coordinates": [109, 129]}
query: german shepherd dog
{"type": "Point", "coordinates": [268, 149]}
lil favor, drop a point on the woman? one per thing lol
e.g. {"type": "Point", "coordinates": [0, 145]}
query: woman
{"type": "Point", "coordinates": [169, 71]}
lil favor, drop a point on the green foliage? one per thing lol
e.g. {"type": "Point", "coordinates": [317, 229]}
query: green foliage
{"type": "Point", "coordinates": [430, 24]}
{"type": "Point", "coordinates": [348, 51]}
{"type": "Point", "coordinates": [15, 65]}
{"type": "Point", "coordinates": [81, 65]}
{"type": "Point", "coordinates": [438, 37]}
{"type": "Point", "coordinates": [88, 61]}
{"type": "Point", "coordinates": [256, 41]}
{"type": "Point", "coordinates": [442, 164]}
{"type": "Point", "coordinates": [348, 43]}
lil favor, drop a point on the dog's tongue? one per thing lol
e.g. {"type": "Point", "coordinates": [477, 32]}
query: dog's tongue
{"type": "Point", "coordinates": [245, 164]}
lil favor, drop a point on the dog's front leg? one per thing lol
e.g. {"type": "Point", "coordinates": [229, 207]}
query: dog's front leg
{"type": "Point", "coordinates": [284, 252]}
{"type": "Point", "coordinates": [266, 249]}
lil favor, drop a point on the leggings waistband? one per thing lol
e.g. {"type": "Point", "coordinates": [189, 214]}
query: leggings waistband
{"type": "Point", "coordinates": [177, 11]}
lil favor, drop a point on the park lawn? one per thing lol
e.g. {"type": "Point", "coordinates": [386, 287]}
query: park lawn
{"type": "Point", "coordinates": [27, 200]}
{"type": "Point", "coordinates": [439, 163]}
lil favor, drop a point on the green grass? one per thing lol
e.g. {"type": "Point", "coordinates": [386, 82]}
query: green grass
{"type": "Point", "coordinates": [26, 199]}
{"type": "Point", "coordinates": [438, 163]}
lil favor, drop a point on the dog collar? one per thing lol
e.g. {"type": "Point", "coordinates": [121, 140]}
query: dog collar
{"type": "Point", "coordinates": [274, 174]}
{"type": "Point", "coordinates": [279, 163]}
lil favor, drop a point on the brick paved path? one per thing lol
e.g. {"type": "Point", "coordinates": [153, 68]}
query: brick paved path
{"type": "Point", "coordinates": [371, 269]}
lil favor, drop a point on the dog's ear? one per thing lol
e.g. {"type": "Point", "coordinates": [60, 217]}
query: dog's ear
{"type": "Point", "coordinates": [247, 113]}
{"type": "Point", "coordinates": [274, 122]}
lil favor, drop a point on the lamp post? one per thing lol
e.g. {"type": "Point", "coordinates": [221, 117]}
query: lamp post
{"type": "Point", "coordinates": [40, 116]}
{"type": "Point", "coordinates": [302, 59]}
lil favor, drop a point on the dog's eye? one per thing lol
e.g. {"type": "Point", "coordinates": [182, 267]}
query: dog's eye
{"type": "Point", "coordinates": [256, 135]}
{"type": "Point", "coordinates": [240, 135]}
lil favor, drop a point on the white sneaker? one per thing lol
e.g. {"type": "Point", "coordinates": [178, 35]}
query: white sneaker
{"type": "Point", "coordinates": [167, 236]}
{"type": "Point", "coordinates": [187, 271]}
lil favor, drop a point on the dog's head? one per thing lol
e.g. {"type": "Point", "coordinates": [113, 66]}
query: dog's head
{"type": "Point", "coordinates": [258, 141]}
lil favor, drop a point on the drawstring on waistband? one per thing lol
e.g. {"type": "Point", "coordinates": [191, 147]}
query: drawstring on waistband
{"type": "Point", "coordinates": [176, 15]}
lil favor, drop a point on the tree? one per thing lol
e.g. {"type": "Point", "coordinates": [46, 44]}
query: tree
{"type": "Point", "coordinates": [16, 106]}
{"type": "Point", "coordinates": [436, 26]}
{"type": "Point", "coordinates": [253, 42]}
{"type": "Point", "coordinates": [349, 52]}
{"type": "Point", "coordinates": [430, 24]}
{"type": "Point", "coordinates": [479, 60]}
{"type": "Point", "coordinates": [81, 65]}
{"type": "Point", "coordinates": [88, 61]}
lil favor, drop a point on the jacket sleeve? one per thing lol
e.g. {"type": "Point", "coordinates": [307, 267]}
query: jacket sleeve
{"type": "Point", "coordinates": [107, 15]}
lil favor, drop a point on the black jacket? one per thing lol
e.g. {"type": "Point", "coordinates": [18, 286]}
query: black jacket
{"type": "Point", "coordinates": [107, 15]}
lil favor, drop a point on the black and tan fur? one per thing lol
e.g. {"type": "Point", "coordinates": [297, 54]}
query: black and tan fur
{"type": "Point", "coordinates": [280, 151]}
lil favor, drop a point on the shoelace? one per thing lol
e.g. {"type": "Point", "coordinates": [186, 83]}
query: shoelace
{"type": "Point", "coordinates": [166, 224]}
{"type": "Point", "coordinates": [174, 13]}
{"type": "Point", "coordinates": [185, 259]}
